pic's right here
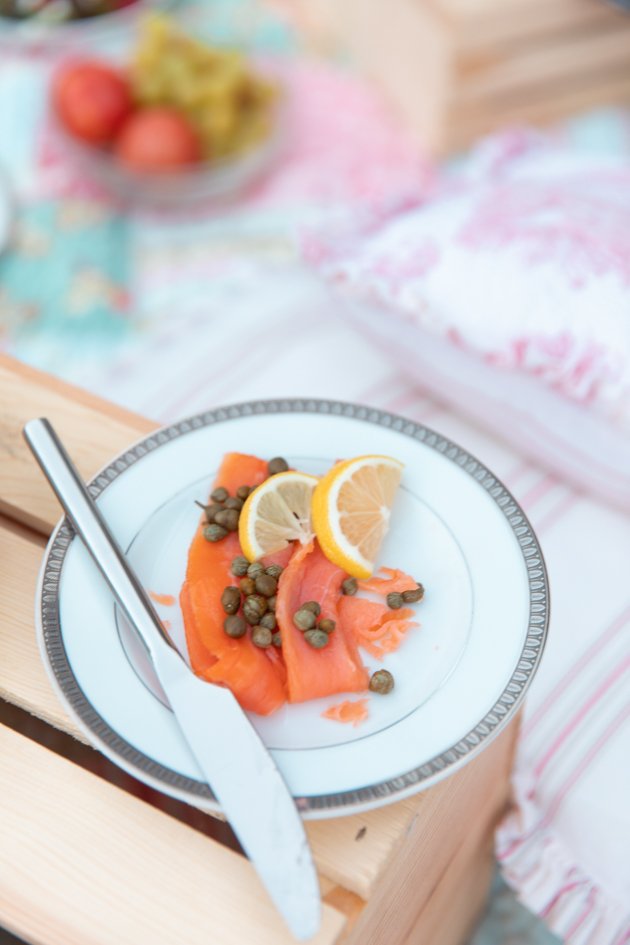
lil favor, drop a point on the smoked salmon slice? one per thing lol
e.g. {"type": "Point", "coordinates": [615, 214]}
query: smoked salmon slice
{"type": "Point", "coordinates": [337, 667]}
{"type": "Point", "coordinates": [374, 627]}
{"type": "Point", "coordinates": [239, 469]}
{"type": "Point", "coordinates": [255, 678]}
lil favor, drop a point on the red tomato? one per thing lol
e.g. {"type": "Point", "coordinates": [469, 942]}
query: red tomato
{"type": "Point", "coordinates": [157, 139]}
{"type": "Point", "coordinates": [92, 100]}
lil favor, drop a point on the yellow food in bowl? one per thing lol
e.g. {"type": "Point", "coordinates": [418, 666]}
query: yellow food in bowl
{"type": "Point", "coordinates": [226, 103]}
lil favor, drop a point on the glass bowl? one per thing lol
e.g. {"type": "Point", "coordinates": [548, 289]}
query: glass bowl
{"type": "Point", "coordinates": [192, 187]}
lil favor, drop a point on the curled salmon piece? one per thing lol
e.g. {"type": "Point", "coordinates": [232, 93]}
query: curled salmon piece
{"type": "Point", "coordinates": [374, 627]}
{"type": "Point", "coordinates": [397, 580]}
{"type": "Point", "coordinates": [355, 712]}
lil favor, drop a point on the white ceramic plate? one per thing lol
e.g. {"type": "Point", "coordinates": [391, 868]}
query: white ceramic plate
{"type": "Point", "coordinates": [459, 677]}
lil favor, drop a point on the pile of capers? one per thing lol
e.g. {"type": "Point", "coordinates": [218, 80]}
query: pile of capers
{"type": "Point", "coordinates": [257, 592]}
{"type": "Point", "coordinates": [315, 633]}
{"type": "Point", "coordinates": [395, 600]}
{"type": "Point", "coordinates": [223, 512]}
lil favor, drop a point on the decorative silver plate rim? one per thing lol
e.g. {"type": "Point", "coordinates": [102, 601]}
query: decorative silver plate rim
{"type": "Point", "coordinates": [394, 789]}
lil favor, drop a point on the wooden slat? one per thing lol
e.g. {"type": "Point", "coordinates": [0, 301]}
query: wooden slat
{"type": "Point", "coordinates": [92, 429]}
{"type": "Point", "coordinates": [550, 66]}
{"type": "Point", "coordinates": [469, 802]}
{"type": "Point", "coordinates": [541, 111]}
{"type": "Point", "coordinates": [455, 907]}
{"type": "Point", "coordinates": [103, 867]}
{"type": "Point", "coordinates": [458, 69]}
{"type": "Point", "coordinates": [509, 24]}
{"type": "Point", "coordinates": [23, 679]}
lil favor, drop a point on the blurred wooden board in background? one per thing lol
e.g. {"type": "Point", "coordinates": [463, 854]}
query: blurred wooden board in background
{"type": "Point", "coordinates": [458, 69]}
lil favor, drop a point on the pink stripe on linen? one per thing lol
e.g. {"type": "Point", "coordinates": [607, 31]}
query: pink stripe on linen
{"type": "Point", "coordinates": [377, 390]}
{"type": "Point", "coordinates": [586, 707]}
{"type": "Point", "coordinates": [558, 512]}
{"type": "Point", "coordinates": [515, 474]}
{"type": "Point", "coordinates": [405, 400]}
{"type": "Point", "coordinates": [590, 905]}
{"type": "Point", "coordinates": [618, 624]}
{"type": "Point", "coordinates": [545, 485]}
{"type": "Point", "coordinates": [566, 890]}
{"type": "Point", "coordinates": [590, 756]}
{"type": "Point", "coordinates": [203, 377]}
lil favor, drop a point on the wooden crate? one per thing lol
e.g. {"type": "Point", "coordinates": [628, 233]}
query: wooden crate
{"type": "Point", "coordinates": [457, 69]}
{"type": "Point", "coordinates": [83, 862]}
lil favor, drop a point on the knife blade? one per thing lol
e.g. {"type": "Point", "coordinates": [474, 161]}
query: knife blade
{"type": "Point", "coordinates": [233, 759]}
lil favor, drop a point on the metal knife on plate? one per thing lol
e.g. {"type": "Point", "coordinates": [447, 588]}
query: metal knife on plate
{"type": "Point", "coordinates": [228, 750]}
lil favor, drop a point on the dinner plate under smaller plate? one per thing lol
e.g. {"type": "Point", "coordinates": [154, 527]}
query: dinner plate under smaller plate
{"type": "Point", "coordinates": [459, 676]}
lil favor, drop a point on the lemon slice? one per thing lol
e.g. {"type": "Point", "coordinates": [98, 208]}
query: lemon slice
{"type": "Point", "coordinates": [351, 509]}
{"type": "Point", "coordinates": [277, 512]}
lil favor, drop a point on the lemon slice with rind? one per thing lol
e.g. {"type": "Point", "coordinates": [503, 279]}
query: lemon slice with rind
{"type": "Point", "coordinates": [351, 509]}
{"type": "Point", "coordinates": [277, 512]}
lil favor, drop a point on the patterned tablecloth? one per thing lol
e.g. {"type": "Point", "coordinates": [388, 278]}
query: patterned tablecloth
{"type": "Point", "coordinates": [172, 316]}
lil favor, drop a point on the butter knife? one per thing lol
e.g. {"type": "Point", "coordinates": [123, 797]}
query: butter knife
{"type": "Point", "coordinates": [236, 764]}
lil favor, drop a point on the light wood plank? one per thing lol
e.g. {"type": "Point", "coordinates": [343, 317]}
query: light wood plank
{"type": "Point", "coordinates": [550, 67]}
{"type": "Point", "coordinates": [83, 863]}
{"type": "Point", "coordinates": [480, 27]}
{"type": "Point", "coordinates": [355, 851]}
{"type": "Point", "coordinates": [23, 679]}
{"type": "Point", "coordinates": [92, 429]}
{"type": "Point", "coordinates": [457, 904]}
{"type": "Point", "coordinates": [541, 111]}
{"type": "Point", "coordinates": [403, 45]}
{"type": "Point", "coordinates": [470, 801]}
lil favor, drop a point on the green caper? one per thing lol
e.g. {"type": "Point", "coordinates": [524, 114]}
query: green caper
{"type": "Point", "coordinates": [274, 571]}
{"type": "Point", "coordinates": [395, 600]}
{"type": "Point", "coordinates": [211, 510]}
{"type": "Point", "coordinates": [277, 465]}
{"type": "Point", "coordinates": [228, 519]}
{"type": "Point", "coordinates": [242, 492]}
{"type": "Point", "coordinates": [313, 606]}
{"type": "Point", "coordinates": [235, 627]}
{"type": "Point", "coordinates": [276, 639]}
{"type": "Point", "coordinates": [265, 585]}
{"type": "Point", "coordinates": [271, 604]}
{"type": "Point", "coordinates": [219, 494]}
{"type": "Point", "coordinates": [269, 621]}
{"type": "Point", "coordinates": [349, 586]}
{"type": "Point", "coordinates": [214, 532]}
{"type": "Point", "coordinates": [247, 586]}
{"type": "Point", "coordinates": [234, 503]}
{"type": "Point", "coordinates": [239, 566]}
{"type": "Point", "coordinates": [231, 600]}
{"type": "Point", "coordinates": [327, 625]}
{"type": "Point", "coordinates": [412, 597]}
{"type": "Point", "coordinates": [316, 638]}
{"type": "Point", "coordinates": [304, 619]}
{"type": "Point", "coordinates": [253, 608]}
{"type": "Point", "coordinates": [262, 637]}
{"type": "Point", "coordinates": [382, 681]}
{"type": "Point", "coordinates": [256, 568]}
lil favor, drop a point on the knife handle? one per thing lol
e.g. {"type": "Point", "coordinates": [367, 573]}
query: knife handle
{"type": "Point", "coordinates": [94, 531]}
